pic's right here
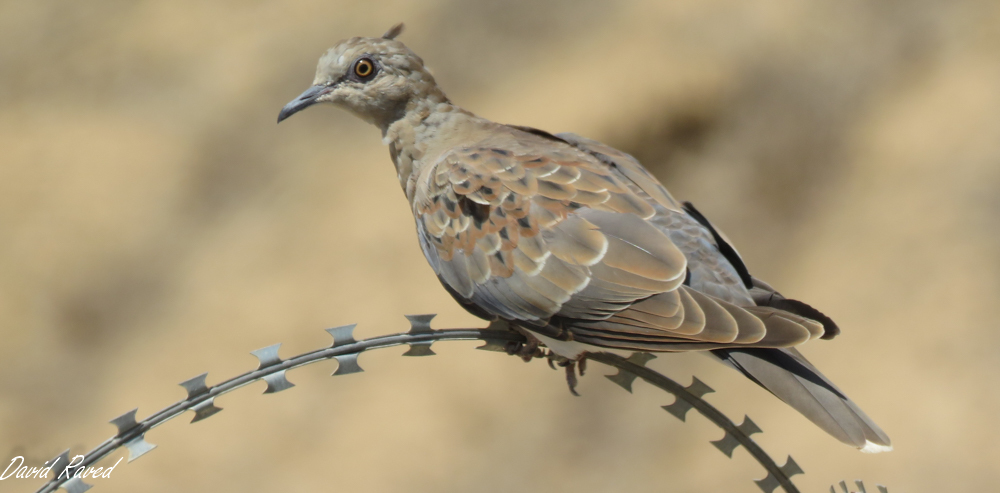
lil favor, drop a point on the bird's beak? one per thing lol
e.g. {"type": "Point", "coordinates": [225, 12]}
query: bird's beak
{"type": "Point", "coordinates": [304, 101]}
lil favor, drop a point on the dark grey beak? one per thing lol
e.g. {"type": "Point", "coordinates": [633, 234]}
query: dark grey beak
{"type": "Point", "coordinates": [304, 101]}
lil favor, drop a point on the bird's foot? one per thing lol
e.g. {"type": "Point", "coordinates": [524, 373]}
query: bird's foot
{"type": "Point", "coordinates": [532, 349]}
{"type": "Point", "coordinates": [571, 366]}
{"type": "Point", "coordinates": [526, 352]}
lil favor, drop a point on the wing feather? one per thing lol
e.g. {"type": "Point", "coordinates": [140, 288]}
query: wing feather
{"type": "Point", "coordinates": [584, 238]}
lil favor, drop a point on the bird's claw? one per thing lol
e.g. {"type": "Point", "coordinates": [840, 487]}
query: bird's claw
{"type": "Point", "coordinates": [570, 366]}
{"type": "Point", "coordinates": [526, 352]}
{"type": "Point", "coordinates": [531, 349]}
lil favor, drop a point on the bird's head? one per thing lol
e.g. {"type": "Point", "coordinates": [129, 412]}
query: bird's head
{"type": "Point", "coordinates": [377, 79]}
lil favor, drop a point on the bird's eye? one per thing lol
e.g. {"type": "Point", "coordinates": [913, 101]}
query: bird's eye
{"type": "Point", "coordinates": [364, 68]}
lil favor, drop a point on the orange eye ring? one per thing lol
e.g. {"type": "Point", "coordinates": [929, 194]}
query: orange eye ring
{"type": "Point", "coordinates": [364, 68]}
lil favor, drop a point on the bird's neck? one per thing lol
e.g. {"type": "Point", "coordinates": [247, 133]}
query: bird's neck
{"type": "Point", "coordinates": [423, 133]}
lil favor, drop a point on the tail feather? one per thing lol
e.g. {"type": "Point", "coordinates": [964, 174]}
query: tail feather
{"type": "Point", "coordinates": [789, 376]}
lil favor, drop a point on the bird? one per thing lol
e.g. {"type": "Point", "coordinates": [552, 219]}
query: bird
{"type": "Point", "coordinates": [574, 243]}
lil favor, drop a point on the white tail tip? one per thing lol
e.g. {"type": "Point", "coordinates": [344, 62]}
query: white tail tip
{"type": "Point", "coordinates": [874, 448]}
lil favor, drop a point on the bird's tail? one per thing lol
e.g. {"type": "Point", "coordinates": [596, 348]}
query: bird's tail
{"type": "Point", "coordinates": [788, 375]}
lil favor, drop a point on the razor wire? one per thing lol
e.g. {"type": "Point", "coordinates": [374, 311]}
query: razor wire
{"type": "Point", "coordinates": [345, 349]}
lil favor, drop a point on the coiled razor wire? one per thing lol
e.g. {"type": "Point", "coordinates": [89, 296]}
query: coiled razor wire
{"type": "Point", "coordinates": [345, 349]}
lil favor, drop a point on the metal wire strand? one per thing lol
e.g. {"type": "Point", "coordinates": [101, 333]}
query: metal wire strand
{"type": "Point", "coordinates": [200, 398]}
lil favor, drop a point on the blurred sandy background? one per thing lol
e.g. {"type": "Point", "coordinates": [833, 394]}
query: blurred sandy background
{"type": "Point", "coordinates": [155, 223]}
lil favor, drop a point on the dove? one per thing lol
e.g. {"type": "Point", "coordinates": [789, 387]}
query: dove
{"type": "Point", "coordinates": [574, 243]}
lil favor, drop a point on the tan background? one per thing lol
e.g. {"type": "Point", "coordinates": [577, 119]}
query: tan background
{"type": "Point", "coordinates": [156, 224]}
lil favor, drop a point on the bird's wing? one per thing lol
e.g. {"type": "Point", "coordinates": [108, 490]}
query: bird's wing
{"type": "Point", "coordinates": [715, 266]}
{"type": "Point", "coordinates": [538, 231]}
{"type": "Point", "coordinates": [698, 259]}
{"type": "Point", "coordinates": [628, 167]}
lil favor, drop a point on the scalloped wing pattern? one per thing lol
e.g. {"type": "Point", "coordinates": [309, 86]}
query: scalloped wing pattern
{"type": "Point", "coordinates": [552, 231]}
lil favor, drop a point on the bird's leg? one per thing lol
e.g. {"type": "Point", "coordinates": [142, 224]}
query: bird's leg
{"type": "Point", "coordinates": [570, 366]}
{"type": "Point", "coordinates": [513, 347]}
{"type": "Point", "coordinates": [526, 351]}
{"type": "Point", "coordinates": [532, 349]}
{"type": "Point", "coordinates": [555, 359]}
